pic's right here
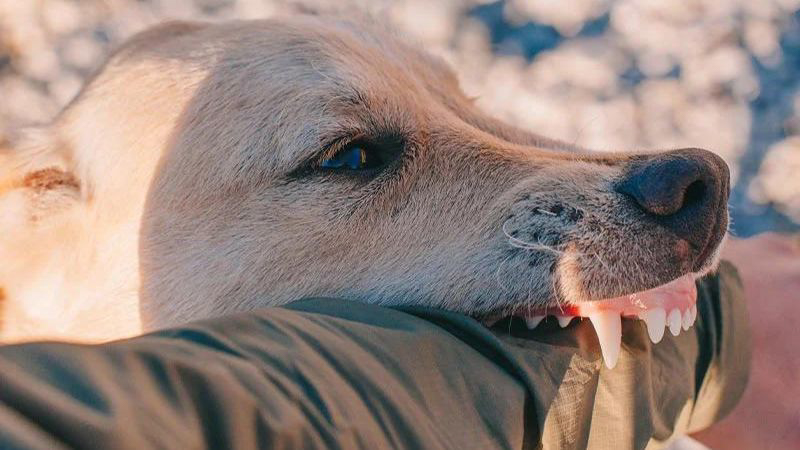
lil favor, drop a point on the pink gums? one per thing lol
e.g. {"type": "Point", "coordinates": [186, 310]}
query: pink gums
{"type": "Point", "coordinates": [680, 294]}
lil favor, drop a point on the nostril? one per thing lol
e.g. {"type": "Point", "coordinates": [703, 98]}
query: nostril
{"type": "Point", "coordinates": [694, 195]}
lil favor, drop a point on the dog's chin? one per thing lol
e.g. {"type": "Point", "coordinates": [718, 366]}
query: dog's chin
{"type": "Point", "coordinates": [671, 305]}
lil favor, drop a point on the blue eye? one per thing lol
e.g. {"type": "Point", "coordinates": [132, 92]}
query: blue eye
{"type": "Point", "coordinates": [353, 157]}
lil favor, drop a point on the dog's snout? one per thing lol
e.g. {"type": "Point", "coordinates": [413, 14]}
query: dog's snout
{"type": "Point", "coordinates": [686, 191]}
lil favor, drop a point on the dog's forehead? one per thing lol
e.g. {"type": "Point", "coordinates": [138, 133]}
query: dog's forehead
{"type": "Point", "coordinates": [340, 74]}
{"type": "Point", "coordinates": [365, 58]}
{"type": "Point", "coordinates": [368, 43]}
{"type": "Point", "coordinates": [269, 94]}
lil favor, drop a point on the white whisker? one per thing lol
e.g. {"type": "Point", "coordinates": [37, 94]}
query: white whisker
{"type": "Point", "coordinates": [519, 243]}
{"type": "Point", "coordinates": [544, 211]}
{"type": "Point", "coordinates": [497, 274]}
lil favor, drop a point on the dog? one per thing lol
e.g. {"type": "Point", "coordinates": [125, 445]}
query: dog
{"type": "Point", "coordinates": [213, 168]}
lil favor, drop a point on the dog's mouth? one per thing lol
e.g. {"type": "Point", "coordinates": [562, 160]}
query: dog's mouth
{"type": "Point", "coordinates": [671, 305]}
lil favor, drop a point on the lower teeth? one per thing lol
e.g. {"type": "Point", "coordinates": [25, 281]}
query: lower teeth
{"type": "Point", "coordinates": [608, 326]}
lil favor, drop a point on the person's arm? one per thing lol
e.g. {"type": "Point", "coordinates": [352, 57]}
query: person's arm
{"type": "Point", "coordinates": [325, 373]}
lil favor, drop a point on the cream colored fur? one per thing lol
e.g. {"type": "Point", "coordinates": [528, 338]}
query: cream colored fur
{"type": "Point", "coordinates": [194, 192]}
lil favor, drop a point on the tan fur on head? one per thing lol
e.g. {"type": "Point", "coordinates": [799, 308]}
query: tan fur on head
{"type": "Point", "coordinates": [183, 183]}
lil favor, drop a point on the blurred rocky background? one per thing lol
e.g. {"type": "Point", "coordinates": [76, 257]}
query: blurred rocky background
{"type": "Point", "coordinates": [608, 75]}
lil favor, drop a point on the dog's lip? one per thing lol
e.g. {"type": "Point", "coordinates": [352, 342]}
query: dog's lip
{"type": "Point", "coordinates": [671, 305]}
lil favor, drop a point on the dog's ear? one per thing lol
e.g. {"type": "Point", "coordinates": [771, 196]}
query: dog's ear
{"type": "Point", "coordinates": [36, 177]}
{"type": "Point", "coordinates": [39, 209]}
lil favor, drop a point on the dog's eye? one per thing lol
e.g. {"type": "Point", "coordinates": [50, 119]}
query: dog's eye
{"type": "Point", "coordinates": [357, 156]}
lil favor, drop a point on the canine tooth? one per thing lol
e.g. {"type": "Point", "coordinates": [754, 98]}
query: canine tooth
{"type": "Point", "coordinates": [674, 320]}
{"type": "Point", "coordinates": [656, 320]}
{"type": "Point", "coordinates": [694, 313]}
{"type": "Point", "coordinates": [563, 321]}
{"type": "Point", "coordinates": [608, 326]}
{"type": "Point", "coordinates": [687, 320]}
{"type": "Point", "coordinates": [533, 321]}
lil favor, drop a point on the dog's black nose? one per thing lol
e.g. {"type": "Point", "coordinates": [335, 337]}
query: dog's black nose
{"type": "Point", "coordinates": [685, 190]}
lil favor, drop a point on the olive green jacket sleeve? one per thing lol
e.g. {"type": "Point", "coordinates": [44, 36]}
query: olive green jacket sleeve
{"type": "Point", "coordinates": [326, 373]}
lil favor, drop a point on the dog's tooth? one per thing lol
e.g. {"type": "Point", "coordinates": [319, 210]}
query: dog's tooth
{"type": "Point", "coordinates": [533, 321]}
{"type": "Point", "coordinates": [608, 326]}
{"type": "Point", "coordinates": [694, 313]}
{"type": "Point", "coordinates": [674, 320]}
{"type": "Point", "coordinates": [656, 320]}
{"type": "Point", "coordinates": [563, 321]}
{"type": "Point", "coordinates": [687, 319]}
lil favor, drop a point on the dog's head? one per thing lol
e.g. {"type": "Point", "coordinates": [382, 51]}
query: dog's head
{"type": "Point", "coordinates": [308, 157]}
